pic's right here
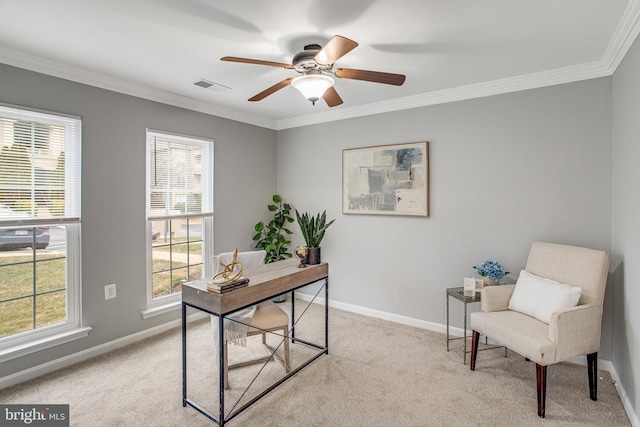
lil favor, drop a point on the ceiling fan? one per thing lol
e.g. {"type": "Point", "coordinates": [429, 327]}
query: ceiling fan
{"type": "Point", "coordinates": [315, 64]}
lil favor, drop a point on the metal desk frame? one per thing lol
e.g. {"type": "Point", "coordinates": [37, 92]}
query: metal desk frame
{"type": "Point", "coordinates": [214, 305]}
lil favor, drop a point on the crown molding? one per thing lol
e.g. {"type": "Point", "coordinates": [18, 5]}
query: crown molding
{"type": "Point", "coordinates": [79, 75]}
{"type": "Point", "coordinates": [495, 87]}
{"type": "Point", "coordinates": [625, 34]}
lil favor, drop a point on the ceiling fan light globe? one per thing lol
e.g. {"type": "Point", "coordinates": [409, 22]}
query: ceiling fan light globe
{"type": "Point", "coordinates": [312, 86]}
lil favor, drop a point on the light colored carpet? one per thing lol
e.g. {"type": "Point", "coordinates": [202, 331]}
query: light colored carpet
{"type": "Point", "coordinates": [377, 373]}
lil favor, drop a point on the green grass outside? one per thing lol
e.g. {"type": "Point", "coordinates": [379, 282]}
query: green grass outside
{"type": "Point", "coordinates": [179, 246]}
{"type": "Point", "coordinates": [166, 283]}
{"type": "Point", "coordinates": [16, 281]}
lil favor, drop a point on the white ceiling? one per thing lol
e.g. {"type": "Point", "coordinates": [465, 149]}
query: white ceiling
{"type": "Point", "coordinates": [448, 49]}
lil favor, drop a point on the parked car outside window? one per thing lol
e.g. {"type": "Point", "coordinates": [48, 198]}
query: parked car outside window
{"type": "Point", "coordinates": [21, 237]}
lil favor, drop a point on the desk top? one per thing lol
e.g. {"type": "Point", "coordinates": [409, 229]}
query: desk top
{"type": "Point", "coordinates": [265, 281]}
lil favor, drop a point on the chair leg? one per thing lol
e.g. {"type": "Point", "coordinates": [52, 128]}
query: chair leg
{"type": "Point", "coordinates": [541, 387]}
{"type": "Point", "coordinates": [475, 340]}
{"type": "Point", "coordinates": [592, 367]}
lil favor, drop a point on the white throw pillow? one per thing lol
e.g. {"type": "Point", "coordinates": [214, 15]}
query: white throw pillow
{"type": "Point", "coordinates": [539, 297]}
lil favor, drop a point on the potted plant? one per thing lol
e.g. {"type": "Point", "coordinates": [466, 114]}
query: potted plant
{"type": "Point", "coordinates": [492, 271]}
{"type": "Point", "coordinates": [313, 229]}
{"type": "Point", "coordinates": [272, 237]}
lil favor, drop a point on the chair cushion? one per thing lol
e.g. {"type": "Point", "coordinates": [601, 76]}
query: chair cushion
{"type": "Point", "coordinates": [268, 317]}
{"type": "Point", "coordinates": [518, 332]}
{"type": "Point", "coordinates": [539, 297]}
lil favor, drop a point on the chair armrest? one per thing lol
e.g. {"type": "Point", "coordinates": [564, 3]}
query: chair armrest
{"type": "Point", "coordinates": [496, 298]}
{"type": "Point", "coordinates": [576, 331]}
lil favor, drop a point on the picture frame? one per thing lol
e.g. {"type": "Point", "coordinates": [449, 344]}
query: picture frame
{"type": "Point", "coordinates": [386, 180]}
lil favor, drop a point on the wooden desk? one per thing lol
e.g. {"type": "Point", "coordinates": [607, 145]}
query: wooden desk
{"type": "Point", "coordinates": [265, 282]}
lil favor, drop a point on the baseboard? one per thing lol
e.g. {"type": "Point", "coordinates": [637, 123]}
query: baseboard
{"type": "Point", "coordinates": [396, 318]}
{"type": "Point", "coordinates": [89, 353]}
{"type": "Point", "coordinates": [628, 407]}
{"type": "Point", "coordinates": [605, 365]}
{"type": "Point", "coordinates": [72, 359]}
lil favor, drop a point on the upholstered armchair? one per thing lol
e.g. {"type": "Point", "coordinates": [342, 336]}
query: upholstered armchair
{"type": "Point", "coordinates": [553, 312]}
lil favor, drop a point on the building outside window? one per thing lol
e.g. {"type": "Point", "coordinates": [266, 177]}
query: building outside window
{"type": "Point", "coordinates": [179, 213]}
{"type": "Point", "coordinates": [39, 225]}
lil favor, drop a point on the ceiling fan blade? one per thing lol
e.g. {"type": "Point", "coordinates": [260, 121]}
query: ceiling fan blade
{"type": "Point", "coordinates": [276, 87]}
{"type": "Point", "coordinates": [337, 47]}
{"type": "Point", "coordinates": [371, 76]}
{"type": "Point", "coordinates": [331, 97]}
{"type": "Point", "coordinates": [257, 62]}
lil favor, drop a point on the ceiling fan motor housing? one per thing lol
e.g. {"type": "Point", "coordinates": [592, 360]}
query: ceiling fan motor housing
{"type": "Point", "coordinates": [304, 61]}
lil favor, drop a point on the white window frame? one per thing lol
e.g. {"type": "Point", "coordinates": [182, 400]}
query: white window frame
{"type": "Point", "coordinates": [27, 342]}
{"type": "Point", "coordinates": [163, 304]}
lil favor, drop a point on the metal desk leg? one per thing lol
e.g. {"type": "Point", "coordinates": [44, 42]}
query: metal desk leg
{"type": "Point", "coordinates": [447, 322]}
{"type": "Point", "coordinates": [326, 315]}
{"type": "Point", "coordinates": [184, 355]}
{"type": "Point", "coordinates": [221, 367]}
{"type": "Point", "coordinates": [464, 357]}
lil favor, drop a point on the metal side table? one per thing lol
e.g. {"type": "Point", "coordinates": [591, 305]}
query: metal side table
{"type": "Point", "coordinates": [466, 297]}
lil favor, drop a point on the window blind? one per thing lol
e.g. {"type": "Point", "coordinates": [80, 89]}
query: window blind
{"type": "Point", "coordinates": [176, 180]}
{"type": "Point", "coordinates": [39, 167]}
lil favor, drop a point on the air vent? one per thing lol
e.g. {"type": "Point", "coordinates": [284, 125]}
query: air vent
{"type": "Point", "coordinates": [206, 84]}
{"type": "Point", "coordinates": [203, 83]}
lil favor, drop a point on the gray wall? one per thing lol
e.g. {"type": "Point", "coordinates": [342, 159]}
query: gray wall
{"type": "Point", "coordinates": [113, 193]}
{"type": "Point", "coordinates": [626, 223]}
{"type": "Point", "coordinates": [505, 171]}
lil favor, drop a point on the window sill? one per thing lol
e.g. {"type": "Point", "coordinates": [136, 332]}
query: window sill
{"type": "Point", "coordinates": [158, 310]}
{"type": "Point", "coordinates": [43, 343]}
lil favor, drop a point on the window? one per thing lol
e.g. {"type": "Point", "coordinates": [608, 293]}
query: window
{"type": "Point", "coordinates": [179, 213]}
{"type": "Point", "coordinates": [39, 225]}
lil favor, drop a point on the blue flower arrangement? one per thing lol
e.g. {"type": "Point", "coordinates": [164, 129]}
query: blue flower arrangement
{"type": "Point", "coordinates": [491, 269]}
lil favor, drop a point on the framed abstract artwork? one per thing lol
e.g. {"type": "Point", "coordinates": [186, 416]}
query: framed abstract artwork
{"type": "Point", "coordinates": [386, 180]}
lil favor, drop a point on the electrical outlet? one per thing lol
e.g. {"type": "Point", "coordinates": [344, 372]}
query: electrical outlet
{"type": "Point", "coordinates": [110, 291]}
